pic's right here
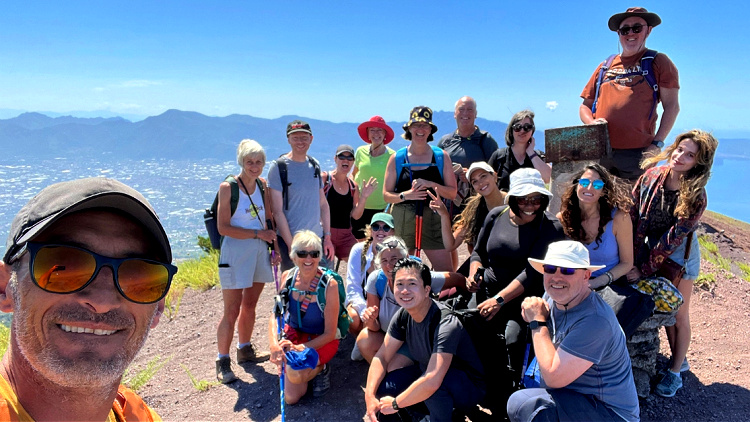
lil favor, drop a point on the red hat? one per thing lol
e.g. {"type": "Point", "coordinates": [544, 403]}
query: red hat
{"type": "Point", "coordinates": [375, 121]}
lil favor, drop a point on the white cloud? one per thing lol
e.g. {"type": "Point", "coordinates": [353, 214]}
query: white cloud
{"type": "Point", "coordinates": [99, 89]}
{"type": "Point", "coordinates": [551, 105]}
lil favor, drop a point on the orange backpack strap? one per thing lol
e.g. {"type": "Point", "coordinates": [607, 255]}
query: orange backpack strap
{"type": "Point", "coordinates": [128, 407]}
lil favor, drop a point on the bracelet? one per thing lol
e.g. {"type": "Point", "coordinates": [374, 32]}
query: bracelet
{"type": "Point", "coordinates": [610, 277]}
{"type": "Point", "coordinates": [531, 157]}
{"type": "Point", "coordinates": [255, 232]}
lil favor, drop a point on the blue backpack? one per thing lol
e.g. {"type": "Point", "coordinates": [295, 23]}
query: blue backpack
{"type": "Point", "coordinates": [402, 160]}
{"type": "Point", "coordinates": [646, 71]}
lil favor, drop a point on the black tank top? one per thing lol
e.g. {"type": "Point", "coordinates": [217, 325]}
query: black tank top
{"type": "Point", "coordinates": [341, 208]}
{"type": "Point", "coordinates": [431, 173]}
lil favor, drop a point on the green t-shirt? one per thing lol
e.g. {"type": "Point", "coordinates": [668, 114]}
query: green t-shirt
{"type": "Point", "coordinates": [369, 166]}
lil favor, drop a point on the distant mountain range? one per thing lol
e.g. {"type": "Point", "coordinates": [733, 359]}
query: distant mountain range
{"type": "Point", "coordinates": [179, 134]}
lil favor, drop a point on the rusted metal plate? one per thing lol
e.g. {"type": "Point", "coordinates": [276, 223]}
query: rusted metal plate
{"type": "Point", "coordinates": [576, 143]}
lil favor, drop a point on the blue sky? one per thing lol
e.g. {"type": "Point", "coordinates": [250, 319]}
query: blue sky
{"type": "Point", "coordinates": [346, 61]}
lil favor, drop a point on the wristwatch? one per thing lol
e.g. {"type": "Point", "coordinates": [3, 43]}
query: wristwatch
{"type": "Point", "coordinates": [536, 324]}
{"type": "Point", "coordinates": [394, 405]}
{"type": "Point", "coordinates": [657, 143]}
{"type": "Point", "coordinates": [401, 196]}
{"type": "Point", "coordinates": [500, 301]}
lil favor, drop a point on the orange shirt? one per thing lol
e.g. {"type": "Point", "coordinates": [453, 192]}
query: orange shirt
{"type": "Point", "coordinates": [627, 102]}
{"type": "Point", "coordinates": [128, 406]}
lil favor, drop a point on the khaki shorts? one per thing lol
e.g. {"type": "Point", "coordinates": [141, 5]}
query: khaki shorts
{"type": "Point", "coordinates": [404, 217]}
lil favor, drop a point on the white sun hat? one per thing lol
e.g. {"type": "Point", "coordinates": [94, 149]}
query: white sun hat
{"type": "Point", "coordinates": [565, 253]}
{"type": "Point", "coordinates": [525, 181]}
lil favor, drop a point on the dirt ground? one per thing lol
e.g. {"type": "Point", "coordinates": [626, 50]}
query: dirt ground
{"type": "Point", "coordinates": [717, 388]}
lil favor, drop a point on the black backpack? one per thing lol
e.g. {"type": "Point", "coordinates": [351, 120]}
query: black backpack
{"type": "Point", "coordinates": [210, 216]}
{"type": "Point", "coordinates": [281, 163]}
{"type": "Point", "coordinates": [493, 354]}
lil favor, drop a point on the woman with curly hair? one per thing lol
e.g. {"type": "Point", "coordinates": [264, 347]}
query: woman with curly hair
{"type": "Point", "coordinates": [669, 201]}
{"type": "Point", "coordinates": [594, 211]}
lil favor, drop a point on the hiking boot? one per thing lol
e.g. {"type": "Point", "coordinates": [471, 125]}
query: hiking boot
{"type": "Point", "coordinates": [224, 371]}
{"type": "Point", "coordinates": [248, 353]}
{"type": "Point", "coordinates": [322, 382]}
{"type": "Point", "coordinates": [669, 385]}
{"type": "Point", "coordinates": [356, 354]}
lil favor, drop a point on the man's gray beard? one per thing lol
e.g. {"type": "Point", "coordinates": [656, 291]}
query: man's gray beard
{"type": "Point", "coordinates": [82, 372]}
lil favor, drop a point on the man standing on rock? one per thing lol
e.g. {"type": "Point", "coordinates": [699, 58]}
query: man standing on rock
{"type": "Point", "coordinates": [85, 272]}
{"type": "Point", "coordinates": [579, 345]}
{"type": "Point", "coordinates": [299, 204]}
{"type": "Point", "coordinates": [632, 84]}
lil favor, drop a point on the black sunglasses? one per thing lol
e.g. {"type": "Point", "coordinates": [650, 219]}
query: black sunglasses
{"type": "Point", "coordinates": [378, 227]}
{"type": "Point", "coordinates": [625, 30]}
{"type": "Point", "coordinates": [68, 269]}
{"type": "Point", "coordinates": [551, 269]}
{"type": "Point", "coordinates": [534, 200]}
{"type": "Point", "coordinates": [526, 127]}
{"type": "Point", "coordinates": [304, 254]}
{"type": "Point", "coordinates": [345, 157]}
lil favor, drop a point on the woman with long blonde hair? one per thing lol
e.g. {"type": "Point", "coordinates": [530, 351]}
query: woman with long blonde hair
{"type": "Point", "coordinates": [669, 201]}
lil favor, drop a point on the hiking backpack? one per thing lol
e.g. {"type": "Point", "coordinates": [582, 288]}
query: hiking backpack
{"type": "Point", "coordinates": [324, 277]}
{"type": "Point", "coordinates": [210, 217]}
{"type": "Point", "coordinates": [328, 183]}
{"type": "Point", "coordinates": [281, 164]}
{"type": "Point", "coordinates": [647, 71]}
{"type": "Point", "coordinates": [402, 160]}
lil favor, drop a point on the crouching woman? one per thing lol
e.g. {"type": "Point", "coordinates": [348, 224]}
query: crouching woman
{"type": "Point", "coordinates": [308, 340]}
{"type": "Point", "coordinates": [448, 373]}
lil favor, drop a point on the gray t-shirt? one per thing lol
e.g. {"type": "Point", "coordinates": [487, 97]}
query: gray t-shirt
{"type": "Point", "coordinates": [591, 332]}
{"type": "Point", "coordinates": [450, 337]}
{"type": "Point", "coordinates": [304, 195]}
{"type": "Point", "coordinates": [479, 146]}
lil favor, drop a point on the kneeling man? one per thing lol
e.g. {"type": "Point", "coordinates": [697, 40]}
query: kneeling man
{"type": "Point", "coordinates": [85, 273]}
{"type": "Point", "coordinates": [449, 373]}
{"type": "Point", "coordinates": [579, 346]}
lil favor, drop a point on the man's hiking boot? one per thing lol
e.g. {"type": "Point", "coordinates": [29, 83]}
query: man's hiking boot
{"type": "Point", "coordinates": [224, 371]}
{"type": "Point", "coordinates": [248, 353]}
{"type": "Point", "coordinates": [322, 382]}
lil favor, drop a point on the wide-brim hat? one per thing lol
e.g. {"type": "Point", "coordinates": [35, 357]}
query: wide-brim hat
{"type": "Point", "coordinates": [652, 19]}
{"type": "Point", "coordinates": [56, 201]}
{"type": "Point", "coordinates": [420, 114]}
{"type": "Point", "coordinates": [525, 181]}
{"type": "Point", "coordinates": [375, 121]}
{"type": "Point", "coordinates": [565, 253]}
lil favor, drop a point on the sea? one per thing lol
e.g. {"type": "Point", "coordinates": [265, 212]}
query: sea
{"type": "Point", "coordinates": [181, 190]}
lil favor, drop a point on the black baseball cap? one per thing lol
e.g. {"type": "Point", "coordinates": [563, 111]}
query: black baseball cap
{"type": "Point", "coordinates": [298, 126]}
{"type": "Point", "coordinates": [61, 199]}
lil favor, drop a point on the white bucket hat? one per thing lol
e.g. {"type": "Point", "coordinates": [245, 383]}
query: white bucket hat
{"type": "Point", "coordinates": [565, 253]}
{"type": "Point", "coordinates": [525, 181]}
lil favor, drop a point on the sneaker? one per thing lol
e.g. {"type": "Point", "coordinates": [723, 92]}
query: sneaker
{"type": "Point", "coordinates": [685, 366]}
{"type": "Point", "coordinates": [248, 353]}
{"type": "Point", "coordinates": [322, 382]}
{"type": "Point", "coordinates": [224, 371]}
{"type": "Point", "coordinates": [669, 385]}
{"type": "Point", "coordinates": [356, 354]}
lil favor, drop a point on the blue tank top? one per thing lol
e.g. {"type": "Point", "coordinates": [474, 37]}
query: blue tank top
{"type": "Point", "coordinates": [606, 252]}
{"type": "Point", "coordinates": [311, 322]}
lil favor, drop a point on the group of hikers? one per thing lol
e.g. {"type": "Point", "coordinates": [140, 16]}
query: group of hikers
{"type": "Point", "coordinates": [88, 264]}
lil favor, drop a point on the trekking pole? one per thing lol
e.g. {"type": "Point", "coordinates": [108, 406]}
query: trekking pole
{"type": "Point", "coordinates": [279, 313]}
{"type": "Point", "coordinates": [418, 219]}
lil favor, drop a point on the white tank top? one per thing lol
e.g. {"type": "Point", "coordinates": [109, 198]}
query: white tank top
{"type": "Point", "coordinates": [246, 216]}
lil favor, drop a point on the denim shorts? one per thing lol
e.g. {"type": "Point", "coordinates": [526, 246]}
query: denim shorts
{"type": "Point", "coordinates": [693, 267]}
